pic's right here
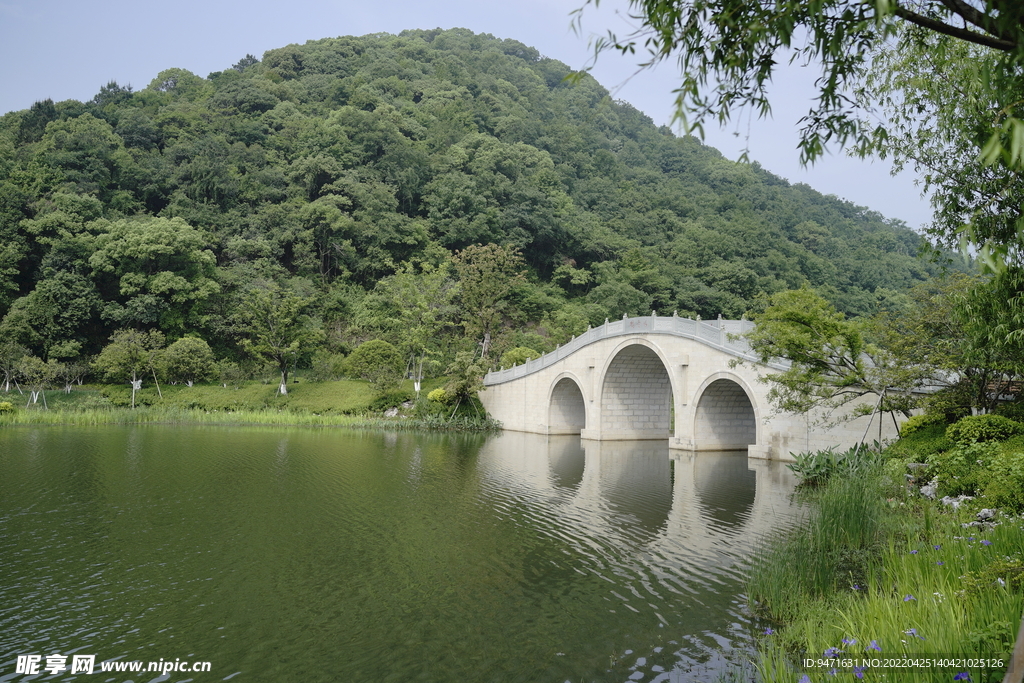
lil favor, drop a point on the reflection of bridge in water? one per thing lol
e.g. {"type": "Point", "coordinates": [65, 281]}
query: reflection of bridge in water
{"type": "Point", "coordinates": [711, 507]}
{"type": "Point", "coordinates": [692, 383]}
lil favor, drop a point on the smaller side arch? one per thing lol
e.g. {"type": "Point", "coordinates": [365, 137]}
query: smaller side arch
{"type": "Point", "coordinates": [726, 416]}
{"type": "Point", "coordinates": [567, 408]}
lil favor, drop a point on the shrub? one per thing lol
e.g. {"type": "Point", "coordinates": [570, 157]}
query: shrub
{"type": "Point", "coordinates": [378, 362]}
{"type": "Point", "coordinates": [918, 421]}
{"type": "Point", "coordinates": [91, 403]}
{"type": "Point", "coordinates": [964, 469]}
{"type": "Point", "coordinates": [229, 372]}
{"type": "Point", "coordinates": [921, 444]}
{"type": "Point", "coordinates": [121, 396]}
{"type": "Point", "coordinates": [6, 407]}
{"type": "Point", "coordinates": [894, 471]}
{"type": "Point", "coordinates": [999, 574]}
{"type": "Point", "coordinates": [190, 360]}
{"type": "Point", "coordinates": [1005, 484]}
{"type": "Point", "coordinates": [439, 395]}
{"type": "Point", "coordinates": [518, 356]}
{"type": "Point", "coordinates": [952, 402]}
{"type": "Point", "coordinates": [974, 428]}
{"type": "Point", "coordinates": [1013, 444]}
{"type": "Point", "coordinates": [1014, 411]}
{"type": "Point", "coordinates": [327, 366]}
{"type": "Point", "coordinates": [389, 400]}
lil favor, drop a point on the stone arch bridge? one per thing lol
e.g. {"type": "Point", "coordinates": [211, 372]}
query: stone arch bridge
{"type": "Point", "coordinates": [659, 377]}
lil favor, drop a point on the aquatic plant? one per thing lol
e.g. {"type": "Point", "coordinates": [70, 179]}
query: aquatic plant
{"type": "Point", "coordinates": [817, 467]}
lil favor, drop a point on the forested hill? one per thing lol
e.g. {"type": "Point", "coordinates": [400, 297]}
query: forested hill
{"type": "Point", "coordinates": [332, 168]}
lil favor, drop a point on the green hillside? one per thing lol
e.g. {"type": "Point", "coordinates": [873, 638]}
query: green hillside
{"type": "Point", "coordinates": [345, 172]}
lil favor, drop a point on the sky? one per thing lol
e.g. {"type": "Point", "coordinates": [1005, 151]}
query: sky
{"type": "Point", "coordinates": [67, 49]}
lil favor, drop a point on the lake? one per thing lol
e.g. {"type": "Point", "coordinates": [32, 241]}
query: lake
{"type": "Point", "coordinates": [337, 555]}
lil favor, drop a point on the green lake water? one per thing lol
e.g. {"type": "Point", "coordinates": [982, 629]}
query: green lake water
{"type": "Point", "coordinates": [333, 555]}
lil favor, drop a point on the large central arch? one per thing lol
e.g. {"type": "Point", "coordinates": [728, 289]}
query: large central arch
{"type": "Point", "coordinates": [725, 418]}
{"type": "Point", "coordinates": [636, 396]}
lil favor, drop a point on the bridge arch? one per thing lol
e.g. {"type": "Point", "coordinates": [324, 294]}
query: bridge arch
{"type": "Point", "coordinates": [726, 415]}
{"type": "Point", "coordinates": [635, 393]}
{"type": "Point", "coordinates": [567, 409]}
{"type": "Point", "coordinates": [690, 352]}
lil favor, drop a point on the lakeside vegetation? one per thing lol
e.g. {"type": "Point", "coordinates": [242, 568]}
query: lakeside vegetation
{"type": "Point", "coordinates": [340, 403]}
{"type": "Point", "coordinates": [881, 569]}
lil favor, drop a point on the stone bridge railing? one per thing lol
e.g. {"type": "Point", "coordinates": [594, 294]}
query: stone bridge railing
{"type": "Point", "coordinates": [713, 333]}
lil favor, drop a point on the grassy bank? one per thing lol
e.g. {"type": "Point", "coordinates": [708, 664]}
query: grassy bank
{"type": "Point", "coordinates": [314, 404]}
{"type": "Point", "coordinates": [880, 571]}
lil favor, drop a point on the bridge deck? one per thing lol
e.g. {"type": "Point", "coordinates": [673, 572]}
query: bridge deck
{"type": "Point", "coordinates": [719, 334]}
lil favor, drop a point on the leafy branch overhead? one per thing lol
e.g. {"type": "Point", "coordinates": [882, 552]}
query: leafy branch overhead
{"type": "Point", "coordinates": [832, 365]}
{"type": "Point", "coordinates": [728, 50]}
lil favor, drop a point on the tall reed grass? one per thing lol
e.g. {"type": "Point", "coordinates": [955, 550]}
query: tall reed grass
{"type": "Point", "coordinates": [835, 548]}
{"type": "Point", "coordinates": [869, 577]}
{"type": "Point", "coordinates": [170, 415]}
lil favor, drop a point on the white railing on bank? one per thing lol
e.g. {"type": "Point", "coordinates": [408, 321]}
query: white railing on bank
{"type": "Point", "coordinates": [719, 334]}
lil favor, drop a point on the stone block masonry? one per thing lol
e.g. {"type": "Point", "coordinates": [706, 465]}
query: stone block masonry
{"type": "Point", "coordinates": [637, 395]}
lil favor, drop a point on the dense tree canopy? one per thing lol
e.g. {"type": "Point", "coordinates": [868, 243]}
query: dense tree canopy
{"type": "Point", "coordinates": [333, 183]}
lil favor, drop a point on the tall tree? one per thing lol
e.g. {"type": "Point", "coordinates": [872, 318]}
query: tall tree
{"type": "Point", "coordinates": [274, 325]}
{"type": "Point", "coordinates": [10, 353]}
{"type": "Point", "coordinates": [130, 355]}
{"type": "Point", "coordinates": [487, 277]}
{"type": "Point", "coordinates": [950, 331]}
{"type": "Point", "coordinates": [937, 97]}
{"type": "Point", "coordinates": [154, 271]}
{"type": "Point", "coordinates": [38, 375]}
{"type": "Point", "coordinates": [411, 308]}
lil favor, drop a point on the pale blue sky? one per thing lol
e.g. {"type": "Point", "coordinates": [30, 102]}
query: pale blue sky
{"type": "Point", "coordinates": [67, 49]}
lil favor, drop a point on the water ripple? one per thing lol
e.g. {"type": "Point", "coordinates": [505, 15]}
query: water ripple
{"type": "Point", "coordinates": [288, 554]}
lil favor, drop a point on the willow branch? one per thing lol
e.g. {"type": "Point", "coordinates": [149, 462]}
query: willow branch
{"type": "Point", "coordinates": [953, 31]}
